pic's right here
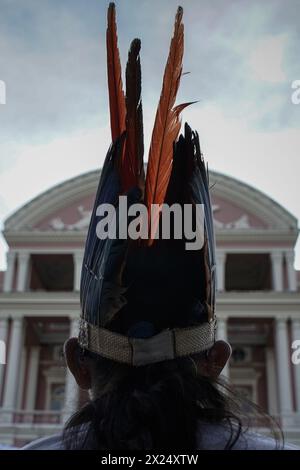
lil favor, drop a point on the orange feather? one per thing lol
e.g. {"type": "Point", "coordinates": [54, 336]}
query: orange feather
{"type": "Point", "coordinates": [114, 73]}
{"type": "Point", "coordinates": [166, 129]}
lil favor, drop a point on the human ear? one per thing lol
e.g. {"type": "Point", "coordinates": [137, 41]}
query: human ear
{"type": "Point", "coordinates": [216, 359]}
{"type": "Point", "coordinates": [77, 367]}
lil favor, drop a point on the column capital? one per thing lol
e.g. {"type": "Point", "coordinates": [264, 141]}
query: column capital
{"type": "Point", "coordinates": [4, 318]}
{"type": "Point", "coordinates": [290, 255]}
{"type": "Point", "coordinates": [221, 255]}
{"type": "Point", "coordinates": [78, 254]}
{"type": "Point", "coordinates": [18, 321]}
{"type": "Point", "coordinates": [74, 326]}
{"type": "Point", "coordinates": [296, 322]}
{"type": "Point", "coordinates": [74, 318]}
{"type": "Point", "coordinates": [23, 256]}
{"type": "Point", "coordinates": [11, 256]}
{"type": "Point", "coordinates": [276, 256]}
{"type": "Point", "coordinates": [281, 322]}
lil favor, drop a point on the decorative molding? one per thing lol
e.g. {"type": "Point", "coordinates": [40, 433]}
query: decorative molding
{"type": "Point", "coordinates": [81, 224]}
{"type": "Point", "coordinates": [242, 222]}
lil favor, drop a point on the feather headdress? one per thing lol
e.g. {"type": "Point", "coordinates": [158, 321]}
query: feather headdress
{"type": "Point", "coordinates": [148, 299]}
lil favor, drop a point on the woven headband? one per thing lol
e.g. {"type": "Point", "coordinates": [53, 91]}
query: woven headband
{"type": "Point", "coordinates": [166, 345]}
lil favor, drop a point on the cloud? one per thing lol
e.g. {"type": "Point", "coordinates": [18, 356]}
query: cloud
{"type": "Point", "coordinates": [40, 166]}
{"type": "Point", "coordinates": [266, 59]}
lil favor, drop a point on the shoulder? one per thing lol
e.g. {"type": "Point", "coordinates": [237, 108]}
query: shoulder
{"type": "Point", "coordinates": [46, 443]}
{"type": "Point", "coordinates": [57, 441]}
{"type": "Point", "coordinates": [215, 437]}
{"type": "Point", "coordinates": [255, 441]}
{"type": "Point", "coordinates": [7, 447]}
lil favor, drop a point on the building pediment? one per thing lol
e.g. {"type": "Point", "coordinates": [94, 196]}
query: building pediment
{"type": "Point", "coordinates": [66, 208]}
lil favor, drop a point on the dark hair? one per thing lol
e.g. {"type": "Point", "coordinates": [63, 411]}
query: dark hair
{"type": "Point", "coordinates": [158, 406]}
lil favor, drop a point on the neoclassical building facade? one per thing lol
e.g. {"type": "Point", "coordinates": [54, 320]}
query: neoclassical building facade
{"type": "Point", "coordinates": [258, 303]}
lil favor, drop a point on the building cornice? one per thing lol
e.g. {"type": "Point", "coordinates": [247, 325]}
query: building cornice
{"type": "Point", "coordinates": [24, 237]}
{"type": "Point", "coordinates": [41, 304]}
{"type": "Point", "coordinates": [229, 304]}
{"type": "Point", "coordinates": [262, 304]}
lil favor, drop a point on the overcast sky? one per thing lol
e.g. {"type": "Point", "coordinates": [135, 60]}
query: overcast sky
{"type": "Point", "coordinates": [242, 57]}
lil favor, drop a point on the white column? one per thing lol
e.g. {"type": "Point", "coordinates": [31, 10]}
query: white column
{"type": "Point", "coordinates": [221, 260]}
{"type": "Point", "coordinates": [271, 381]}
{"type": "Point", "coordinates": [296, 336]}
{"type": "Point", "coordinates": [78, 259]}
{"type": "Point", "coordinates": [13, 364]}
{"type": "Point", "coordinates": [277, 272]}
{"type": "Point", "coordinates": [222, 334]}
{"type": "Point", "coordinates": [23, 263]}
{"type": "Point", "coordinates": [21, 378]}
{"type": "Point", "coordinates": [71, 389]}
{"type": "Point", "coordinates": [9, 273]}
{"type": "Point", "coordinates": [291, 272]}
{"type": "Point", "coordinates": [283, 356]}
{"type": "Point", "coordinates": [3, 340]}
{"type": "Point", "coordinates": [33, 367]}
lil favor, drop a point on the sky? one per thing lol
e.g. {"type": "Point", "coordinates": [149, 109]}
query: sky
{"type": "Point", "coordinates": [242, 58]}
